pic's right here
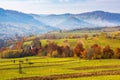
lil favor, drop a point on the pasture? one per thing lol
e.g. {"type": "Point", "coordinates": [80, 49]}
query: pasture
{"type": "Point", "coordinates": [73, 68]}
{"type": "Point", "coordinates": [102, 41]}
{"type": "Point", "coordinates": [70, 68]}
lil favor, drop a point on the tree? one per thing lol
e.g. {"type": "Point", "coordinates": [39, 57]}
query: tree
{"type": "Point", "coordinates": [78, 50]}
{"type": "Point", "coordinates": [35, 46]}
{"type": "Point", "coordinates": [96, 49]}
{"type": "Point", "coordinates": [26, 50]}
{"type": "Point", "coordinates": [66, 51]}
{"type": "Point", "coordinates": [117, 53]}
{"type": "Point", "coordinates": [12, 54]}
{"type": "Point", "coordinates": [107, 52]}
{"type": "Point", "coordinates": [36, 43]}
{"type": "Point", "coordinates": [50, 47]}
{"type": "Point", "coordinates": [86, 36]}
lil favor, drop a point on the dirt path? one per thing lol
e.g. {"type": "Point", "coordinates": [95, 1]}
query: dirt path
{"type": "Point", "coordinates": [73, 75]}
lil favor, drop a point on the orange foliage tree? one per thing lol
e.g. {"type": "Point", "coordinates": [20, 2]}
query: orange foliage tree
{"type": "Point", "coordinates": [96, 49]}
{"type": "Point", "coordinates": [117, 53]}
{"type": "Point", "coordinates": [79, 50]}
{"type": "Point", "coordinates": [107, 52]}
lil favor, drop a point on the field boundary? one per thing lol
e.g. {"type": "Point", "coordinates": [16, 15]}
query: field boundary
{"type": "Point", "coordinates": [55, 63]}
{"type": "Point", "coordinates": [96, 67]}
{"type": "Point", "coordinates": [73, 75]}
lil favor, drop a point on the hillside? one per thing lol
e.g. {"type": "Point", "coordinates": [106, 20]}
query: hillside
{"type": "Point", "coordinates": [88, 19]}
{"type": "Point", "coordinates": [14, 22]}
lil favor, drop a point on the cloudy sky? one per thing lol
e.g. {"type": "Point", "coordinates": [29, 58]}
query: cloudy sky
{"type": "Point", "coordinates": [60, 6]}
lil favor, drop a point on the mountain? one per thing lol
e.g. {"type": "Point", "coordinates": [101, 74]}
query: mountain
{"type": "Point", "coordinates": [14, 22]}
{"type": "Point", "coordinates": [73, 23]}
{"type": "Point", "coordinates": [52, 19]}
{"type": "Point", "coordinates": [100, 18]}
{"type": "Point", "coordinates": [63, 21]}
{"type": "Point", "coordinates": [88, 19]}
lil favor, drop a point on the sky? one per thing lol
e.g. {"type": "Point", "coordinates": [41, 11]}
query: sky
{"type": "Point", "coordinates": [60, 6]}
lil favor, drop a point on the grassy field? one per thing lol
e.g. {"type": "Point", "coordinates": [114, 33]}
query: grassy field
{"type": "Point", "coordinates": [110, 77]}
{"type": "Point", "coordinates": [87, 43]}
{"type": "Point", "coordinates": [44, 66]}
{"type": "Point", "coordinates": [73, 68]}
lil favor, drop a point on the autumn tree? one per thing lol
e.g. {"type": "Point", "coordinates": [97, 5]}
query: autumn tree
{"type": "Point", "coordinates": [50, 47]}
{"type": "Point", "coordinates": [107, 52]}
{"type": "Point", "coordinates": [96, 51]}
{"type": "Point", "coordinates": [79, 50]}
{"type": "Point", "coordinates": [117, 53]}
{"type": "Point", "coordinates": [66, 51]}
{"type": "Point", "coordinates": [26, 50]}
{"type": "Point", "coordinates": [11, 54]}
{"type": "Point", "coordinates": [35, 46]}
{"type": "Point", "coordinates": [86, 36]}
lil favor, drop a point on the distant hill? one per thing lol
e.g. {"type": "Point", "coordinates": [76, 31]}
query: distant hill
{"type": "Point", "coordinates": [88, 19]}
{"type": "Point", "coordinates": [14, 22]}
{"type": "Point", "coordinates": [73, 23]}
{"type": "Point", "coordinates": [100, 18]}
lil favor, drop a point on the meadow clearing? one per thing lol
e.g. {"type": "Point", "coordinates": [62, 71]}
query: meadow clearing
{"type": "Point", "coordinates": [70, 68]}
{"type": "Point", "coordinates": [45, 68]}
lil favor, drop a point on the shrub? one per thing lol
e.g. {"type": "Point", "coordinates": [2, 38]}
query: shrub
{"type": "Point", "coordinates": [117, 53]}
{"type": "Point", "coordinates": [26, 50]}
{"type": "Point", "coordinates": [43, 53]}
{"type": "Point", "coordinates": [55, 53]}
{"type": "Point", "coordinates": [86, 36]}
{"type": "Point", "coordinates": [12, 54]}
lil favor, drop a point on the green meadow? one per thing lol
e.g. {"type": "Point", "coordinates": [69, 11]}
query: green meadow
{"type": "Point", "coordinates": [102, 41]}
{"type": "Point", "coordinates": [63, 68]}
{"type": "Point", "coordinates": [45, 66]}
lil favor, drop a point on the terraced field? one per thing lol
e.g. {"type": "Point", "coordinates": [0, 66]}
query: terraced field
{"type": "Point", "coordinates": [45, 68]}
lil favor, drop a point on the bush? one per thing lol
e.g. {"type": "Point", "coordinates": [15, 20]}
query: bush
{"type": "Point", "coordinates": [12, 54]}
{"type": "Point", "coordinates": [117, 53]}
{"type": "Point", "coordinates": [55, 53]}
{"type": "Point", "coordinates": [43, 53]}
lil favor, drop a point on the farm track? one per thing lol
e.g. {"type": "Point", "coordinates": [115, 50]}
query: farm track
{"type": "Point", "coordinates": [73, 75]}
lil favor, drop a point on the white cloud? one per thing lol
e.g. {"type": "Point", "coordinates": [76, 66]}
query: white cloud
{"type": "Point", "coordinates": [60, 6]}
{"type": "Point", "coordinates": [64, 0]}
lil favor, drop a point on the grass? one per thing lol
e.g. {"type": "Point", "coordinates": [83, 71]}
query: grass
{"type": "Point", "coordinates": [44, 66]}
{"type": "Point", "coordinates": [110, 77]}
{"type": "Point", "coordinates": [87, 43]}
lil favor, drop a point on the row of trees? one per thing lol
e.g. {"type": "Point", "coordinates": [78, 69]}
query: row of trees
{"type": "Point", "coordinates": [65, 50]}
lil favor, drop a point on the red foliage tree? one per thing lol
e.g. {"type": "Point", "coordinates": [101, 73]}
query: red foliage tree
{"type": "Point", "coordinates": [107, 52]}
{"type": "Point", "coordinates": [78, 50]}
{"type": "Point", "coordinates": [96, 51]}
{"type": "Point", "coordinates": [117, 53]}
